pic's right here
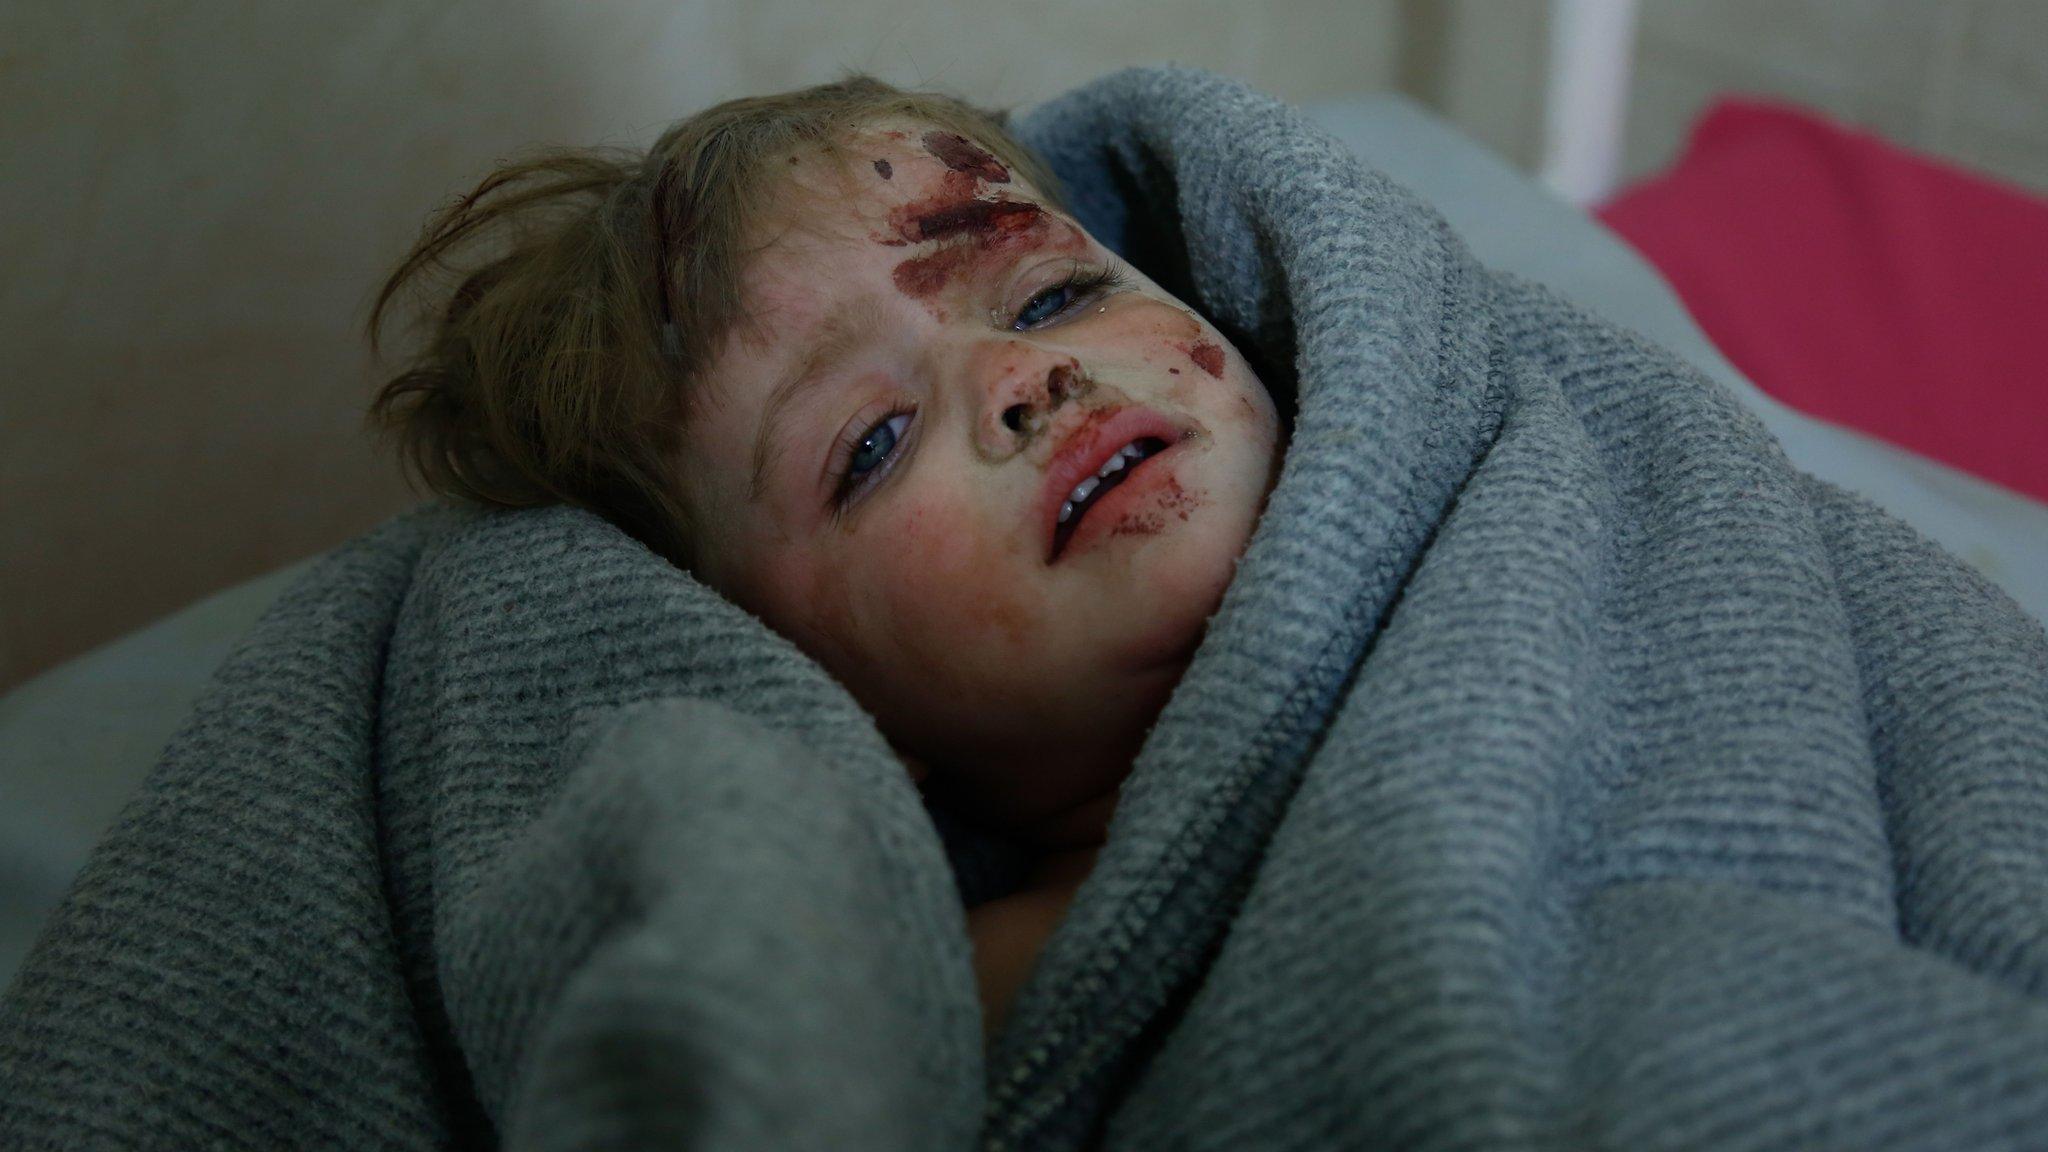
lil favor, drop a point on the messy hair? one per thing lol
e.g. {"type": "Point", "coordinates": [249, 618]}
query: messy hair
{"type": "Point", "coordinates": [567, 305]}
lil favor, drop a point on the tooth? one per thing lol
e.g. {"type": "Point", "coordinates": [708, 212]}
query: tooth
{"type": "Point", "coordinates": [1133, 451]}
{"type": "Point", "coordinates": [1082, 489]}
{"type": "Point", "coordinates": [1115, 464]}
{"type": "Point", "coordinates": [1066, 510]}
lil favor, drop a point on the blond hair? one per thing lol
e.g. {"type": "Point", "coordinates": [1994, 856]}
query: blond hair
{"type": "Point", "coordinates": [568, 303]}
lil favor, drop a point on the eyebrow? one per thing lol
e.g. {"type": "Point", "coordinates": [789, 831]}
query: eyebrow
{"type": "Point", "coordinates": [845, 330]}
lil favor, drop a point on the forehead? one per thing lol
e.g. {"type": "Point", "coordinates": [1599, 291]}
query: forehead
{"type": "Point", "coordinates": [891, 183]}
{"type": "Point", "coordinates": [916, 201]}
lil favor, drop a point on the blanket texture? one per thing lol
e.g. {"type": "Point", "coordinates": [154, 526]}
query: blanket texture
{"type": "Point", "coordinates": [1561, 770]}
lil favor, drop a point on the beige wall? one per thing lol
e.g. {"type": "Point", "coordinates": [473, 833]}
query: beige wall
{"type": "Point", "coordinates": [196, 200]}
{"type": "Point", "coordinates": [1481, 65]}
{"type": "Point", "coordinates": [199, 199]}
{"type": "Point", "coordinates": [1962, 79]}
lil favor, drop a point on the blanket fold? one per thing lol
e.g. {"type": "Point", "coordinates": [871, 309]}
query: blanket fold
{"type": "Point", "coordinates": [1562, 769]}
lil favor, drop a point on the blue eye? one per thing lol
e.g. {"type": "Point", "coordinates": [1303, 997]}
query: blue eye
{"type": "Point", "coordinates": [1046, 305]}
{"type": "Point", "coordinates": [865, 453]}
{"type": "Point", "coordinates": [1080, 286]}
{"type": "Point", "coordinates": [875, 446]}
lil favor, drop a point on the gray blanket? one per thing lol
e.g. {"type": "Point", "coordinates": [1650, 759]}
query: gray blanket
{"type": "Point", "coordinates": [1562, 770]}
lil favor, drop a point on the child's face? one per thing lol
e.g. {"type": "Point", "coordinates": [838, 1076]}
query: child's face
{"type": "Point", "coordinates": [880, 462]}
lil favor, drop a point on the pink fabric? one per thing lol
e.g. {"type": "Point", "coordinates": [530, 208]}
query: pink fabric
{"type": "Point", "coordinates": [1860, 283]}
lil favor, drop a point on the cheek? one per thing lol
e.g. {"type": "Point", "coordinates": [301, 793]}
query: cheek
{"type": "Point", "coordinates": [953, 595]}
{"type": "Point", "coordinates": [1169, 341]}
{"type": "Point", "coordinates": [799, 598]}
{"type": "Point", "coordinates": [1201, 372]}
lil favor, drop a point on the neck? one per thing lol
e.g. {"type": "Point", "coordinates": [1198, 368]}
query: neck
{"type": "Point", "coordinates": [1062, 870]}
{"type": "Point", "coordinates": [1083, 827]}
{"type": "Point", "coordinates": [997, 795]}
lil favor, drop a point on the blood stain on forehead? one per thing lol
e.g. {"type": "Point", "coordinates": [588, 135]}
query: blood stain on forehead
{"type": "Point", "coordinates": [883, 169]}
{"type": "Point", "coordinates": [978, 229]}
{"type": "Point", "coordinates": [985, 229]}
{"type": "Point", "coordinates": [926, 275]}
{"type": "Point", "coordinates": [984, 219]}
{"type": "Point", "coordinates": [963, 155]}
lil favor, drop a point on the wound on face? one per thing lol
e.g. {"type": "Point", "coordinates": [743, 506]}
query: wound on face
{"type": "Point", "coordinates": [963, 155]}
{"type": "Point", "coordinates": [972, 231]}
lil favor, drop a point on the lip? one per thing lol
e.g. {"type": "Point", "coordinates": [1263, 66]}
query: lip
{"type": "Point", "coordinates": [1091, 438]}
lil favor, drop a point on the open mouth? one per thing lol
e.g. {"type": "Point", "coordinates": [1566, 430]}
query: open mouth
{"type": "Point", "coordinates": [1090, 491]}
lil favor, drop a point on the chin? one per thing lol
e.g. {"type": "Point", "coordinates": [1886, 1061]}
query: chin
{"type": "Point", "coordinates": [1179, 586]}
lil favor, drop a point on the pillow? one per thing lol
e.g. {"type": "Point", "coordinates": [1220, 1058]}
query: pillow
{"type": "Point", "coordinates": [1859, 282]}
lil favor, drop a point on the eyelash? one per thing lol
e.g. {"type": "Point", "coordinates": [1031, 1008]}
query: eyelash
{"type": "Point", "coordinates": [1084, 285]}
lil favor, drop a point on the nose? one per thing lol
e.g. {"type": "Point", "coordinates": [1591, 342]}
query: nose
{"type": "Point", "coordinates": [1022, 390]}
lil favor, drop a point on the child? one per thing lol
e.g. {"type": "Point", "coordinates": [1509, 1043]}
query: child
{"type": "Point", "coordinates": [1560, 768]}
{"type": "Point", "coordinates": [842, 355]}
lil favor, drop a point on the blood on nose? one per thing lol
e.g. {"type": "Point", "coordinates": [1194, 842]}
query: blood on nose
{"type": "Point", "coordinates": [1059, 383]}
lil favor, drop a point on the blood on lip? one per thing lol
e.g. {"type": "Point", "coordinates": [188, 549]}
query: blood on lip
{"type": "Point", "coordinates": [1164, 499]}
{"type": "Point", "coordinates": [1090, 426]}
{"type": "Point", "coordinates": [1140, 525]}
{"type": "Point", "coordinates": [1098, 434]}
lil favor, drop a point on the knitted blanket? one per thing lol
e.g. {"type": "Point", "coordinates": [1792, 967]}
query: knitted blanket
{"type": "Point", "coordinates": [1561, 770]}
